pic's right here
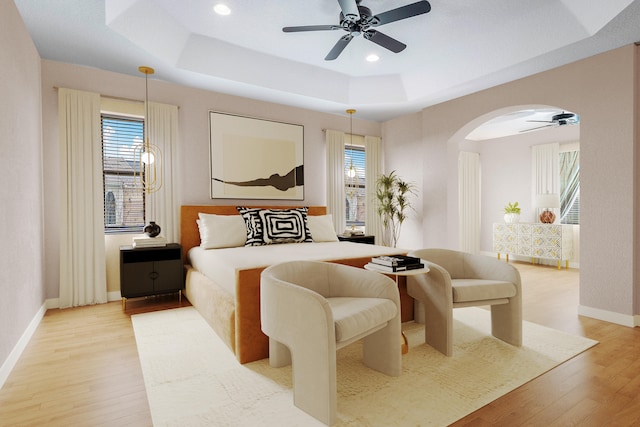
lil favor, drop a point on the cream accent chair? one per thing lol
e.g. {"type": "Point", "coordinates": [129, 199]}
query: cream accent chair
{"type": "Point", "coordinates": [310, 309]}
{"type": "Point", "coordinates": [459, 279]}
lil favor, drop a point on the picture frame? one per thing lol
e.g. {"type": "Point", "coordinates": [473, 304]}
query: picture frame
{"type": "Point", "coordinates": [255, 158]}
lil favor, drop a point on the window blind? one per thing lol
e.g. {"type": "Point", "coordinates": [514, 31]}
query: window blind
{"type": "Point", "coordinates": [570, 187]}
{"type": "Point", "coordinates": [123, 196]}
{"type": "Point", "coordinates": [355, 186]}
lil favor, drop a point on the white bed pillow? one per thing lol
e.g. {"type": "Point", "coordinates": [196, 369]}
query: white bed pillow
{"type": "Point", "coordinates": [321, 228]}
{"type": "Point", "coordinates": [221, 231]}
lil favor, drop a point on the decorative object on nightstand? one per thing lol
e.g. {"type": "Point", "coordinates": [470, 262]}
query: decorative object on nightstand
{"type": "Point", "coordinates": [357, 238]}
{"type": "Point", "coordinates": [148, 271]}
{"type": "Point", "coordinates": [152, 229]}
{"type": "Point", "coordinates": [547, 201]}
{"type": "Point", "coordinates": [512, 213]}
{"type": "Point", "coordinates": [149, 242]}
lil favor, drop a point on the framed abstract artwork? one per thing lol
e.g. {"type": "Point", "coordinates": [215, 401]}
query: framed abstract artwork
{"type": "Point", "coordinates": [255, 159]}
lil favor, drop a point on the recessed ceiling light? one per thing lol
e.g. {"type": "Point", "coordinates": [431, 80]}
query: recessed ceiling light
{"type": "Point", "coordinates": [221, 9]}
{"type": "Point", "coordinates": [373, 57]}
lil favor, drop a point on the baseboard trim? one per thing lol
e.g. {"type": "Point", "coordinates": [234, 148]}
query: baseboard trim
{"type": "Point", "coordinates": [15, 354]}
{"type": "Point", "coordinates": [114, 296]}
{"type": "Point", "coordinates": [609, 316]}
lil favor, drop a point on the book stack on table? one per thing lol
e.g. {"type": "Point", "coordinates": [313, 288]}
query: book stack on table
{"type": "Point", "coordinates": [149, 242]}
{"type": "Point", "coordinates": [392, 264]}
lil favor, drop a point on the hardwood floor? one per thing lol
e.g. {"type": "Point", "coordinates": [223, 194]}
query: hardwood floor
{"type": "Point", "coordinates": [81, 368]}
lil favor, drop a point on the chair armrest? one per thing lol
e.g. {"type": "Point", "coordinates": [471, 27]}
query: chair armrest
{"type": "Point", "coordinates": [433, 286]}
{"type": "Point", "coordinates": [345, 281]}
{"type": "Point", "coordinates": [283, 304]}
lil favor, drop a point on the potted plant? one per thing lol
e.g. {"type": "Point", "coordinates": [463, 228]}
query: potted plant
{"type": "Point", "coordinates": [392, 196]}
{"type": "Point", "coordinates": [511, 213]}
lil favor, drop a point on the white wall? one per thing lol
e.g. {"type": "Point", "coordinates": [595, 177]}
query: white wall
{"type": "Point", "coordinates": [194, 105]}
{"type": "Point", "coordinates": [506, 177]}
{"type": "Point", "coordinates": [21, 212]}
{"type": "Point", "coordinates": [402, 148]}
{"type": "Point", "coordinates": [601, 90]}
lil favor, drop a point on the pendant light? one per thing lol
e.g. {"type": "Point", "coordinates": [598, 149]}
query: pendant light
{"type": "Point", "coordinates": [147, 155]}
{"type": "Point", "coordinates": [351, 173]}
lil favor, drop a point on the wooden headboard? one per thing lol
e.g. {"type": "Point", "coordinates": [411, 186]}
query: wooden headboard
{"type": "Point", "coordinates": [189, 234]}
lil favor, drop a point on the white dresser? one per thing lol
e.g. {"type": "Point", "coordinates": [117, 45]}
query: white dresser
{"type": "Point", "coordinates": [545, 241]}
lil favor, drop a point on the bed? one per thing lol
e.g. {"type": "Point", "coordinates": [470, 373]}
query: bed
{"type": "Point", "coordinates": [223, 283]}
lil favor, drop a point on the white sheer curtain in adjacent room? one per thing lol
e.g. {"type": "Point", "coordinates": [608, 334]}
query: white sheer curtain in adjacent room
{"type": "Point", "coordinates": [335, 179]}
{"type": "Point", "coordinates": [82, 251]}
{"type": "Point", "coordinates": [545, 169]}
{"type": "Point", "coordinates": [163, 205]}
{"type": "Point", "coordinates": [469, 192]}
{"type": "Point", "coordinates": [373, 150]}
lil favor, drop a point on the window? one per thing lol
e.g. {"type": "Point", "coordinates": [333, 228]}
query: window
{"type": "Point", "coordinates": [123, 198]}
{"type": "Point", "coordinates": [354, 178]}
{"type": "Point", "coordinates": [570, 187]}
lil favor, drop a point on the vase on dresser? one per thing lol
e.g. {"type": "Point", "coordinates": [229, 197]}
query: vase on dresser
{"type": "Point", "coordinates": [511, 218]}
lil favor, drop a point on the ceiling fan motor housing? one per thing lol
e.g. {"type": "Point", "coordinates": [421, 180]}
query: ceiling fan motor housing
{"type": "Point", "coordinates": [358, 26]}
{"type": "Point", "coordinates": [562, 116]}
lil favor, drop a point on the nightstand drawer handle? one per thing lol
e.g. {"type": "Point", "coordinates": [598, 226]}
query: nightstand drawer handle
{"type": "Point", "coordinates": [153, 275]}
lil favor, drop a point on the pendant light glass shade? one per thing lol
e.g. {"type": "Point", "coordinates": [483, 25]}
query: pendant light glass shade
{"type": "Point", "coordinates": [147, 155]}
{"type": "Point", "coordinates": [351, 172]}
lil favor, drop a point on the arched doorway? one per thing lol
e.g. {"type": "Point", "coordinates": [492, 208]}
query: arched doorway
{"type": "Point", "coordinates": [502, 140]}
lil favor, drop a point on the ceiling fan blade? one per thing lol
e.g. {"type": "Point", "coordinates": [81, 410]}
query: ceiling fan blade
{"type": "Point", "coordinates": [311, 28]}
{"type": "Point", "coordinates": [539, 127]}
{"type": "Point", "coordinates": [403, 12]}
{"type": "Point", "coordinates": [349, 10]}
{"type": "Point", "coordinates": [338, 47]}
{"type": "Point", "coordinates": [384, 40]}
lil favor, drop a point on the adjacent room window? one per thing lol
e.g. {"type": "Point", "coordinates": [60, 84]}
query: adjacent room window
{"type": "Point", "coordinates": [570, 187]}
{"type": "Point", "coordinates": [355, 190]}
{"type": "Point", "coordinates": [123, 198]}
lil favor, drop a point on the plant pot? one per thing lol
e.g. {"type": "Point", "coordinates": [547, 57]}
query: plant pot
{"type": "Point", "coordinates": [511, 218]}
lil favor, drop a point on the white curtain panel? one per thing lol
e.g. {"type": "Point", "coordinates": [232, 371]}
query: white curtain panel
{"type": "Point", "coordinates": [83, 278]}
{"type": "Point", "coordinates": [335, 179]}
{"type": "Point", "coordinates": [545, 169]}
{"type": "Point", "coordinates": [373, 151]}
{"type": "Point", "coordinates": [469, 192]}
{"type": "Point", "coordinates": [163, 205]}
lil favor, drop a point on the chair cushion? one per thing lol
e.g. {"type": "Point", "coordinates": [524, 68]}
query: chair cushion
{"type": "Point", "coordinates": [478, 289]}
{"type": "Point", "coordinates": [353, 316]}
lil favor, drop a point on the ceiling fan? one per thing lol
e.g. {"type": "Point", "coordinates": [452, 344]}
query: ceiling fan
{"type": "Point", "coordinates": [560, 119]}
{"type": "Point", "coordinates": [358, 20]}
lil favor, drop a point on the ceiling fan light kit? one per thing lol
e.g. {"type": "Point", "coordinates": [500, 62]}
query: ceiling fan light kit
{"type": "Point", "coordinates": [358, 20]}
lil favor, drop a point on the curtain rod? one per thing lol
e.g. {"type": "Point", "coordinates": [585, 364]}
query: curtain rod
{"type": "Point", "coordinates": [118, 98]}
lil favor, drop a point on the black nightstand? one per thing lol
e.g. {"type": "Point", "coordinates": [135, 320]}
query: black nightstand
{"type": "Point", "coordinates": [370, 240]}
{"type": "Point", "coordinates": [151, 271]}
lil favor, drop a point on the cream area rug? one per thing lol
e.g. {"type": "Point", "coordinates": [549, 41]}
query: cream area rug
{"type": "Point", "coordinates": [193, 379]}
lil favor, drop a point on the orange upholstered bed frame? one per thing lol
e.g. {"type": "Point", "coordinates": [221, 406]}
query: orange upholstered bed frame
{"type": "Point", "coordinates": [236, 318]}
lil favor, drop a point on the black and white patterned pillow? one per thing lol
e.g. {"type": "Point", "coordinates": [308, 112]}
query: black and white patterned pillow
{"type": "Point", "coordinates": [285, 226]}
{"type": "Point", "coordinates": [253, 223]}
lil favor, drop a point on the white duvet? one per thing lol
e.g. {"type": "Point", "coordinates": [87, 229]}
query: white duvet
{"type": "Point", "coordinates": [220, 265]}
